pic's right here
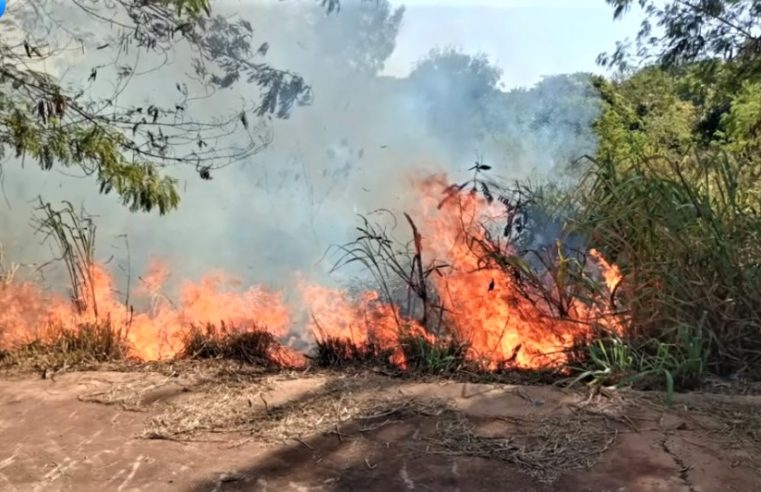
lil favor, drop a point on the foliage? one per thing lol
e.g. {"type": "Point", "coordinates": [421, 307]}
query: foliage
{"type": "Point", "coordinates": [621, 362]}
{"type": "Point", "coordinates": [74, 236]}
{"type": "Point", "coordinates": [398, 268]}
{"type": "Point", "coordinates": [358, 42]}
{"type": "Point", "coordinates": [446, 356]}
{"type": "Point", "coordinates": [454, 89]}
{"type": "Point", "coordinates": [548, 124]}
{"type": "Point", "coordinates": [127, 147]}
{"type": "Point", "coordinates": [678, 32]}
{"type": "Point", "coordinates": [672, 195]}
{"type": "Point", "coordinates": [685, 234]}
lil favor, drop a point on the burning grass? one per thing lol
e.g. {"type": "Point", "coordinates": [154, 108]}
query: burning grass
{"type": "Point", "coordinates": [421, 355]}
{"type": "Point", "coordinates": [442, 356]}
{"type": "Point", "coordinates": [254, 345]}
{"type": "Point", "coordinates": [472, 291]}
{"type": "Point", "coordinates": [465, 297]}
{"type": "Point", "coordinates": [334, 352]}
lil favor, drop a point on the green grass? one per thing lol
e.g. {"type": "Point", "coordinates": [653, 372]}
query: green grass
{"type": "Point", "coordinates": [617, 362]}
{"type": "Point", "coordinates": [439, 357]}
{"type": "Point", "coordinates": [687, 237]}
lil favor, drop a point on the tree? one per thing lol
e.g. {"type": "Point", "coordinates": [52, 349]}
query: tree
{"type": "Point", "coordinates": [698, 93]}
{"type": "Point", "coordinates": [359, 41]}
{"type": "Point", "coordinates": [456, 90]}
{"type": "Point", "coordinates": [126, 147]}
{"type": "Point", "coordinates": [693, 30]}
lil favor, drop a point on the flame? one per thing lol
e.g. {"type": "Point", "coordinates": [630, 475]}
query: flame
{"type": "Point", "coordinates": [479, 301]}
{"type": "Point", "coordinates": [363, 321]}
{"type": "Point", "coordinates": [158, 333]}
{"type": "Point", "coordinates": [501, 325]}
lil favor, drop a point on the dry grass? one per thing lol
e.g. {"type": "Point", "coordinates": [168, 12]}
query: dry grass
{"type": "Point", "coordinates": [244, 408]}
{"type": "Point", "coordinates": [254, 346]}
{"type": "Point", "coordinates": [338, 353]}
{"type": "Point", "coordinates": [87, 346]}
{"type": "Point", "coordinates": [130, 396]}
{"type": "Point", "coordinates": [545, 449]}
{"type": "Point", "coordinates": [351, 407]}
{"type": "Point", "coordinates": [737, 423]}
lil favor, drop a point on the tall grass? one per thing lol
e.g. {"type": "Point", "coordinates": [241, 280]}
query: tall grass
{"type": "Point", "coordinates": [528, 242]}
{"type": "Point", "coordinates": [686, 234]}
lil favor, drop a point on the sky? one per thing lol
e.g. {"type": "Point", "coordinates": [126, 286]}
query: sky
{"type": "Point", "coordinates": [527, 38]}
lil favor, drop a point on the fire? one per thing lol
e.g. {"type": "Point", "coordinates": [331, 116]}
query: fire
{"type": "Point", "coordinates": [360, 321]}
{"type": "Point", "coordinates": [483, 299]}
{"type": "Point", "coordinates": [473, 298]}
{"type": "Point", "coordinates": [157, 333]}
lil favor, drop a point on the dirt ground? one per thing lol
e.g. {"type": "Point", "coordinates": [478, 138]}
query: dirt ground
{"type": "Point", "coordinates": [222, 430]}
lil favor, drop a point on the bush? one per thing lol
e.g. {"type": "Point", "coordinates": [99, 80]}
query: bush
{"type": "Point", "coordinates": [685, 234]}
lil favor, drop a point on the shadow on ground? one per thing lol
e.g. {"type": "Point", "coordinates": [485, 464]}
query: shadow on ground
{"type": "Point", "coordinates": [328, 432]}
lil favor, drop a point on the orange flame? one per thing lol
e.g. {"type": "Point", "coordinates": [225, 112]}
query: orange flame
{"type": "Point", "coordinates": [480, 302]}
{"type": "Point", "coordinates": [154, 334]}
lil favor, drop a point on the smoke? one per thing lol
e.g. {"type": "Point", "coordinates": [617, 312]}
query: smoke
{"type": "Point", "coordinates": [353, 150]}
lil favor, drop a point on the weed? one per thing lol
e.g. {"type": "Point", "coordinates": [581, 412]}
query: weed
{"type": "Point", "coordinates": [437, 357]}
{"type": "Point", "coordinates": [250, 346]}
{"type": "Point", "coordinates": [621, 362]}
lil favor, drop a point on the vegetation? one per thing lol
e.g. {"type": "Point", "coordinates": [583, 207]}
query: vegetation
{"type": "Point", "coordinates": [250, 346]}
{"type": "Point", "coordinates": [127, 148]}
{"type": "Point", "coordinates": [59, 349]}
{"type": "Point", "coordinates": [672, 195]}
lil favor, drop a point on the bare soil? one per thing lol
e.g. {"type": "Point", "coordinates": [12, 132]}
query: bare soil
{"type": "Point", "coordinates": [222, 430]}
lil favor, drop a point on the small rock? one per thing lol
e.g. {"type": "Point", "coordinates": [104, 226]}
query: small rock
{"type": "Point", "coordinates": [230, 477]}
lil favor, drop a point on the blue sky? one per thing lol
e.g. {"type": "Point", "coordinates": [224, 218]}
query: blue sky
{"type": "Point", "coordinates": [527, 38]}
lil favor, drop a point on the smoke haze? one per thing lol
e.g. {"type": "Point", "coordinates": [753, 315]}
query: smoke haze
{"type": "Point", "coordinates": [353, 150]}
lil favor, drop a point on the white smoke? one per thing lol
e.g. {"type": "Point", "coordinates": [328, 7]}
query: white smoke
{"type": "Point", "coordinates": [352, 151]}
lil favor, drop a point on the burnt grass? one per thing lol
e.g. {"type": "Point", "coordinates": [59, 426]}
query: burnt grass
{"type": "Point", "coordinates": [86, 346]}
{"type": "Point", "coordinates": [443, 359]}
{"type": "Point", "coordinates": [255, 349]}
{"type": "Point", "coordinates": [256, 346]}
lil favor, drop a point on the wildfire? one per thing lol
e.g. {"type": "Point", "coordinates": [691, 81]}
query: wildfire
{"type": "Point", "coordinates": [473, 298]}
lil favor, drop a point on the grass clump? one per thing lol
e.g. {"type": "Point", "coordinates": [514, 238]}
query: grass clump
{"type": "Point", "coordinates": [419, 355]}
{"type": "Point", "coordinates": [337, 352]}
{"type": "Point", "coordinates": [650, 364]}
{"type": "Point", "coordinates": [438, 357]}
{"type": "Point", "coordinates": [86, 345]}
{"type": "Point", "coordinates": [255, 346]}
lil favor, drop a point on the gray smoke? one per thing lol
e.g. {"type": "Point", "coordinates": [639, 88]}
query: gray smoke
{"type": "Point", "coordinates": [351, 151]}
